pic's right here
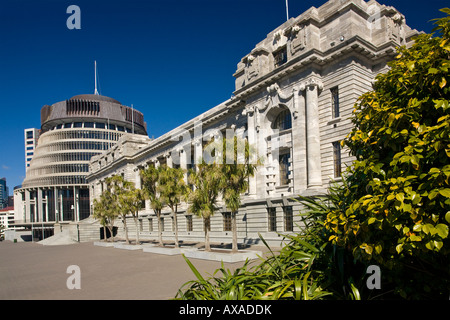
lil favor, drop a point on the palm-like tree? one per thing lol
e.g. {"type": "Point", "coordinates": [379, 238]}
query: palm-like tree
{"type": "Point", "coordinates": [104, 211]}
{"type": "Point", "coordinates": [128, 200]}
{"type": "Point", "coordinates": [207, 180]}
{"type": "Point", "coordinates": [150, 181]}
{"type": "Point", "coordinates": [236, 168]}
{"type": "Point", "coordinates": [173, 189]}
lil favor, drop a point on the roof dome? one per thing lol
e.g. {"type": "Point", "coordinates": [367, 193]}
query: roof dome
{"type": "Point", "coordinates": [94, 97]}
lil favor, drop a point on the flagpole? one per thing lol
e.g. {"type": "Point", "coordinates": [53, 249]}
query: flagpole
{"type": "Point", "coordinates": [287, 10]}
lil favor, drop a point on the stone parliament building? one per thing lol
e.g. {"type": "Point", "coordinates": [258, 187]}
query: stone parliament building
{"type": "Point", "coordinates": [294, 97]}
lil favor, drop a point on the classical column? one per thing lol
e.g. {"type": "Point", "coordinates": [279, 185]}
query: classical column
{"type": "Point", "coordinates": [299, 142]}
{"type": "Point", "coordinates": [38, 206]}
{"type": "Point", "coordinates": [76, 207]}
{"type": "Point", "coordinates": [55, 195]}
{"type": "Point", "coordinates": [314, 163]}
{"type": "Point", "coordinates": [251, 136]}
{"type": "Point", "coordinates": [183, 157]}
{"type": "Point", "coordinates": [62, 204]}
{"type": "Point", "coordinates": [137, 178]}
{"type": "Point", "coordinates": [169, 161]}
{"type": "Point", "coordinates": [198, 152]}
{"type": "Point", "coordinates": [27, 205]}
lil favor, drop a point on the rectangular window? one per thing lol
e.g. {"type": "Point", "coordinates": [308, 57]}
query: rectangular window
{"type": "Point", "coordinates": [337, 159]}
{"type": "Point", "coordinates": [272, 216]}
{"type": "Point", "coordinates": [288, 219]}
{"type": "Point", "coordinates": [29, 134]}
{"type": "Point", "coordinates": [162, 223]}
{"type": "Point", "coordinates": [284, 168]}
{"type": "Point", "coordinates": [88, 124]}
{"type": "Point", "coordinates": [280, 57]}
{"type": "Point", "coordinates": [68, 125]}
{"type": "Point", "coordinates": [100, 125]}
{"type": "Point", "coordinates": [150, 224]}
{"type": "Point", "coordinates": [334, 102]}
{"type": "Point", "coordinates": [78, 124]}
{"type": "Point", "coordinates": [226, 221]}
{"type": "Point", "coordinates": [189, 226]}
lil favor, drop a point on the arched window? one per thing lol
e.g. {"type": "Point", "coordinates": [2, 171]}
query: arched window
{"type": "Point", "coordinates": [283, 120]}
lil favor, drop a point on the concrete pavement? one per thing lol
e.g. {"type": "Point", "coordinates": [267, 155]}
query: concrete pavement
{"type": "Point", "coordinates": [33, 271]}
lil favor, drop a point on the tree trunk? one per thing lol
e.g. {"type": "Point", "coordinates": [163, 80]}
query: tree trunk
{"type": "Point", "coordinates": [111, 230]}
{"type": "Point", "coordinates": [234, 247]}
{"type": "Point", "coordinates": [158, 216]}
{"type": "Point", "coordinates": [126, 230]}
{"type": "Point", "coordinates": [207, 246]}
{"type": "Point", "coordinates": [104, 233]}
{"type": "Point", "coordinates": [137, 230]}
{"type": "Point", "coordinates": [176, 228]}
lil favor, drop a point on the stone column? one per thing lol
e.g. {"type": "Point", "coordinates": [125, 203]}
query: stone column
{"type": "Point", "coordinates": [38, 206]}
{"type": "Point", "coordinates": [312, 87]}
{"type": "Point", "coordinates": [27, 205]}
{"type": "Point", "coordinates": [252, 140]}
{"type": "Point", "coordinates": [46, 204]}
{"type": "Point", "coordinates": [76, 207]}
{"type": "Point", "coordinates": [198, 152]}
{"type": "Point", "coordinates": [183, 162]}
{"type": "Point", "coordinates": [169, 160]}
{"type": "Point", "coordinates": [299, 142]}
{"type": "Point", "coordinates": [55, 195]}
{"type": "Point", "coordinates": [137, 178]}
{"type": "Point", "coordinates": [62, 205]}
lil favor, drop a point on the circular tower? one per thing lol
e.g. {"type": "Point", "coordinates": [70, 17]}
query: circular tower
{"type": "Point", "coordinates": [72, 131]}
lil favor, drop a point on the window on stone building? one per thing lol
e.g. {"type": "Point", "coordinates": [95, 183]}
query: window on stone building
{"type": "Point", "coordinates": [334, 102]}
{"type": "Point", "coordinates": [280, 57]}
{"type": "Point", "coordinates": [337, 159]}
{"type": "Point", "coordinates": [150, 224]}
{"type": "Point", "coordinates": [284, 168]}
{"type": "Point", "coordinates": [162, 223]}
{"type": "Point", "coordinates": [288, 219]}
{"type": "Point", "coordinates": [272, 218]}
{"type": "Point", "coordinates": [189, 226]}
{"type": "Point", "coordinates": [283, 120]}
{"type": "Point", "coordinates": [226, 221]}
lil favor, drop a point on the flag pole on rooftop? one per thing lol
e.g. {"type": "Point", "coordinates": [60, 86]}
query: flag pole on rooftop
{"type": "Point", "coordinates": [287, 10]}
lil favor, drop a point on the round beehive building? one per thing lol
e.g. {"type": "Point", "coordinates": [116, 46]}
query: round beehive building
{"type": "Point", "coordinates": [72, 131]}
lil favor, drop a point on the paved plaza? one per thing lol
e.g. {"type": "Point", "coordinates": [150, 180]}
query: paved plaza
{"type": "Point", "coordinates": [33, 271]}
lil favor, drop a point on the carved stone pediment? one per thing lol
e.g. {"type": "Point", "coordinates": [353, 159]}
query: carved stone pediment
{"type": "Point", "coordinates": [298, 39]}
{"type": "Point", "coordinates": [276, 97]}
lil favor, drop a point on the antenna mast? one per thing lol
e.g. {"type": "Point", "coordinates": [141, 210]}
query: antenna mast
{"type": "Point", "coordinates": [287, 10]}
{"type": "Point", "coordinates": [95, 64]}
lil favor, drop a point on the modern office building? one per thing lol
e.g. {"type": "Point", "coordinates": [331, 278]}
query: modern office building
{"type": "Point", "coordinates": [31, 140]}
{"type": "Point", "coordinates": [7, 218]}
{"type": "Point", "coordinates": [294, 97]}
{"type": "Point", "coordinates": [72, 131]}
{"type": "Point", "coordinates": [4, 193]}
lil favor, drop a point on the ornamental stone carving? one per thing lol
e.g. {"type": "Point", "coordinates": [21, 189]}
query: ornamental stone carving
{"type": "Point", "coordinates": [298, 39]}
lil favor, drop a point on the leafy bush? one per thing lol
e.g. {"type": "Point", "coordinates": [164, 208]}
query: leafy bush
{"type": "Point", "coordinates": [309, 267]}
{"type": "Point", "coordinates": [400, 215]}
{"type": "Point", "coordinates": [392, 210]}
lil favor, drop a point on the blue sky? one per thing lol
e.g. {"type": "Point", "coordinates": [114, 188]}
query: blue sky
{"type": "Point", "coordinates": [171, 59]}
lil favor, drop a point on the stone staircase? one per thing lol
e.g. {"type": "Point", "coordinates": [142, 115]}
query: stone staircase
{"type": "Point", "coordinates": [86, 230]}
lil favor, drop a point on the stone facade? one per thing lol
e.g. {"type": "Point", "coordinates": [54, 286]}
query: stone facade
{"type": "Point", "coordinates": [294, 96]}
